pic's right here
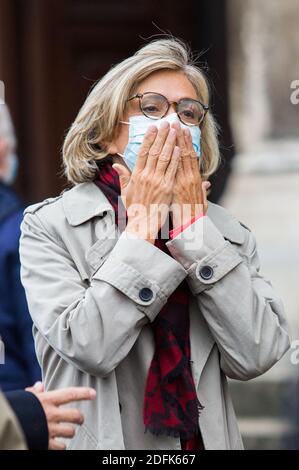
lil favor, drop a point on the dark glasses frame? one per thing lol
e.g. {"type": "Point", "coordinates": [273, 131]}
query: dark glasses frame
{"type": "Point", "coordinates": [140, 96]}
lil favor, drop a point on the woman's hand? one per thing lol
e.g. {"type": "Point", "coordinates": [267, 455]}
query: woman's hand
{"type": "Point", "coordinates": [189, 192]}
{"type": "Point", "coordinates": [147, 192]}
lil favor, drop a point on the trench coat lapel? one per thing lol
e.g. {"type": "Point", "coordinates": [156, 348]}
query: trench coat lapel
{"type": "Point", "coordinates": [83, 202]}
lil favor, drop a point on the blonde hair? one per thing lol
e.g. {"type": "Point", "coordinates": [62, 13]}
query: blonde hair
{"type": "Point", "coordinates": [98, 118]}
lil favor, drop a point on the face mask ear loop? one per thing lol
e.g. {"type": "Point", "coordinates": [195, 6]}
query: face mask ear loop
{"type": "Point", "coordinates": [117, 153]}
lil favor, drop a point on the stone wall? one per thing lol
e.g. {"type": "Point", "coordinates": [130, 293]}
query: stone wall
{"type": "Point", "coordinates": [264, 61]}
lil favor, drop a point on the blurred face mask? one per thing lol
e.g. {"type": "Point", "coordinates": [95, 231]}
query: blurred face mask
{"type": "Point", "coordinates": [138, 127]}
{"type": "Point", "coordinates": [12, 169]}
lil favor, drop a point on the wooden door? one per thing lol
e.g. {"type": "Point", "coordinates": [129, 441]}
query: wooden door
{"type": "Point", "coordinates": [51, 53]}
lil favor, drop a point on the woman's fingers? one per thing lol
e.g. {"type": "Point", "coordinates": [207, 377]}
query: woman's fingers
{"type": "Point", "coordinates": [192, 161]}
{"type": "Point", "coordinates": [156, 148]}
{"type": "Point", "coordinates": [182, 144]}
{"type": "Point", "coordinates": [166, 153]}
{"type": "Point", "coordinates": [123, 173]}
{"type": "Point", "coordinates": [173, 165]}
{"type": "Point", "coordinates": [149, 139]}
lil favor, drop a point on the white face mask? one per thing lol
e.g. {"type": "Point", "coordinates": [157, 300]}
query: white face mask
{"type": "Point", "coordinates": [12, 169]}
{"type": "Point", "coordinates": [138, 127]}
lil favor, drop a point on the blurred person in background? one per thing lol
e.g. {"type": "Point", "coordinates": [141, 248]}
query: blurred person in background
{"type": "Point", "coordinates": [20, 368]}
{"type": "Point", "coordinates": [154, 320]}
{"type": "Point", "coordinates": [31, 418]}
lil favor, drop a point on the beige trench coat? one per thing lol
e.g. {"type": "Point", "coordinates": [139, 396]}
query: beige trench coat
{"type": "Point", "coordinates": [92, 327]}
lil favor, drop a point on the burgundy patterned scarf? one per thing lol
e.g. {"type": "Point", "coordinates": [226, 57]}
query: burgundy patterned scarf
{"type": "Point", "coordinates": [171, 405]}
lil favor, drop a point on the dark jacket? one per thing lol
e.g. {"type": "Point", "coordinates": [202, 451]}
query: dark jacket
{"type": "Point", "coordinates": [31, 419]}
{"type": "Point", "coordinates": [20, 368]}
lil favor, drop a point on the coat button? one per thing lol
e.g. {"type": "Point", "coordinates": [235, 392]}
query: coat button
{"type": "Point", "coordinates": [206, 272]}
{"type": "Point", "coordinates": [146, 294]}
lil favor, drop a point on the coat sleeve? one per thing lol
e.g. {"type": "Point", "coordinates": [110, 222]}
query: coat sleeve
{"type": "Point", "coordinates": [23, 322]}
{"type": "Point", "coordinates": [244, 313]}
{"type": "Point", "coordinates": [93, 326]}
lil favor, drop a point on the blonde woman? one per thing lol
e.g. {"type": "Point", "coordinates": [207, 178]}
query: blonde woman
{"type": "Point", "coordinates": [154, 320]}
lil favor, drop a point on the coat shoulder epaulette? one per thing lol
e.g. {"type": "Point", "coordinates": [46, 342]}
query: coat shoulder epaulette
{"type": "Point", "coordinates": [35, 207]}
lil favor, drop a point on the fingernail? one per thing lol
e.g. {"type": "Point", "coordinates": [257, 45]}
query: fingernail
{"type": "Point", "coordinates": [92, 394]}
{"type": "Point", "coordinates": [164, 125]}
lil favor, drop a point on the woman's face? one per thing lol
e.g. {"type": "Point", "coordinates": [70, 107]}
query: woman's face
{"type": "Point", "coordinates": [174, 85]}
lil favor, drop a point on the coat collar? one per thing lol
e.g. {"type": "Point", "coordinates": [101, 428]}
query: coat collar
{"type": "Point", "coordinates": [85, 201]}
{"type": "Point", "coordinates": [227, 223]}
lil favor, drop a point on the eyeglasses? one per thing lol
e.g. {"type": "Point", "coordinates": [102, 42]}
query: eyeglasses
{"type": "Point", "coordinates": [155, 106]}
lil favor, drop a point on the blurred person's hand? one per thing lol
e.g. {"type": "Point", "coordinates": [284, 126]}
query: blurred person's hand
{"type": "Point", "coordinates": [37, 387]}
{"type": "Point", "coordinates": [57, 417]}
